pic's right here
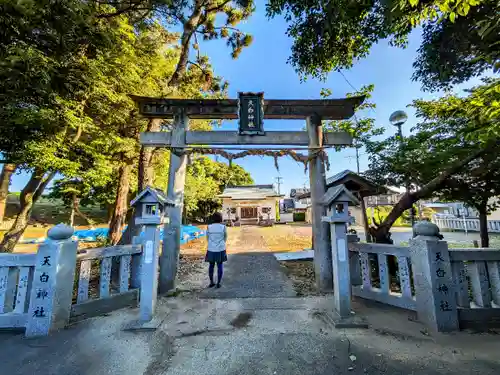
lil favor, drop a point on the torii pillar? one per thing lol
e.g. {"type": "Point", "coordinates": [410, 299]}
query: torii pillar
{"type": "Point", "coordinates": [320, 230]}
{"type": "Point", "coordinates": [169, 259]}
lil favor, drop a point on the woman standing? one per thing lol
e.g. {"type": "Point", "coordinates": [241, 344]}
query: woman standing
{"type": "Point", "coordinates": [216, 250]}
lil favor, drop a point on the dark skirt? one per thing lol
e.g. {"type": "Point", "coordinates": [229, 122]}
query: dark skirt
{"type": "Point", "coordinates": [216, 257]}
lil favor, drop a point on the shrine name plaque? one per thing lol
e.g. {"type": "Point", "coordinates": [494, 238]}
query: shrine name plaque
{"type": "Point", "coordinates": [251, 113]}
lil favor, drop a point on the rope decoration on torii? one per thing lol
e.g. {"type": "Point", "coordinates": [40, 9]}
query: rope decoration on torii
{"type": "Point", "coordinates": [300, 158]}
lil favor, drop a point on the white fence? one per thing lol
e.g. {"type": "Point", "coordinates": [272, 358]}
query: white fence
{"type": "Point", "coordinates": [465, 224]}
{"type": "Point", "coordinates": [371, 262]}
{"type": "Point", "coordinates": [461, 285]}
{"type": "Point", "coordinates": [16, 276]}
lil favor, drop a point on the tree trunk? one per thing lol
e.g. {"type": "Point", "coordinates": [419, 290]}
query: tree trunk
{"type": "Point", "coordinates": [365, 219]}
{"type": "Point", "coordinates": [109, 212]}
{"type": "Point", "coordinates": [189, 29]}
{"type": "Point", "coordinates": [381, 234]}
{"type": "Point", "coordinates": [75, 208]}
{"type": "Point", "coordinates": [7, 172]}
{"type": "Point", "coordinates": [145, 177]}
{"type": "Point", "coordinates": [72, 217]}
{"type": "Point", "coordinates": [29, 195]}
{"type": "Point", "coordinates": [145, 169]}
{"type": "Point", "coordinates": [120, 209]}
{"type": "Point", "coordinates": [483, 225]}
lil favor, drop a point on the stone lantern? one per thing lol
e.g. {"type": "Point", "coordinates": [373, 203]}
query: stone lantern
{"type": "Point", "coordinates": [150, 205]}
{"type": "Point", "coordinates": [337, 200]}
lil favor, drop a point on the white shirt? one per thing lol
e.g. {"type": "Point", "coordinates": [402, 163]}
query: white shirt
{"type": "Point", "coordinates": [216, 234]}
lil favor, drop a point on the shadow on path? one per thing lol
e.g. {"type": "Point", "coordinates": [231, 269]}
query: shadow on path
{"type": "Point", "coordinates": [252, 275]}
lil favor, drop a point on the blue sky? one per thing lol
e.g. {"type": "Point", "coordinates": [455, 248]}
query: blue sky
{"type": "Point", "coordinates": [263, 67]}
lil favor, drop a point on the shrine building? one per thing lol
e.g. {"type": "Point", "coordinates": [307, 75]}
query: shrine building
{"type": "Point", "coordinates": [251, 204]}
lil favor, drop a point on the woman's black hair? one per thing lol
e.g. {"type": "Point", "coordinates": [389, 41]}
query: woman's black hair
{"type": "Point", "coordinates": [217, 218]}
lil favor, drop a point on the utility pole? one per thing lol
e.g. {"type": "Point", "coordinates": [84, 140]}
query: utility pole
{"type": "Point", "coordinates": [357, 158]}
{"type": "Point", "coordinates": [278, 182]}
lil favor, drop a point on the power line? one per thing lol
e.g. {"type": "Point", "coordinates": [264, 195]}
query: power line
{"type": "Point", "coordinates": [345, 78]}
{"type": "Point", "coordinates": [354, 88]}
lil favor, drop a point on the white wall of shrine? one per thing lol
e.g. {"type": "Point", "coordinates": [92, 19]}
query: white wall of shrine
{"type": "Point", "coordinates": [237, 205]}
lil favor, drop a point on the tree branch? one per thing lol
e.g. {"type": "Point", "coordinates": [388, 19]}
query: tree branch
{"type": "Point", "coordinates": [218, 7]}
{"type": "Point", "coordinates": [132, 8]}
{"type": "Point", "coordinates": [408, 199]}
{"type": "Point", "coordinates": [198, 66]}
{"type": "Point", "coordinates": [198, 47]}
{"type": "Point", "coordinates": [222, 27]}
{"type": "Point", "coordinates": [436, 182]}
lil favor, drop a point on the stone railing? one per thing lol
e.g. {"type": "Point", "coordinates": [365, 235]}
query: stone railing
{"type": "Point", "coordinates": [465, 224]}
{"type": "Point", "coordinates": [477, 282]}
{"type": "Point", "coordinates": [40, 293]}
{"type": "Point", "coordinates": [371, 278]}
{"type": "Point", "coordinates": [450, 289]}
{"type": "Point", "coordinates": [16, 275]}
{"type": "Point", "coordinates": [107, 297]}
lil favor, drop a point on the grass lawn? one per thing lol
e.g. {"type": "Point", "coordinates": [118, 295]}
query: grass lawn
{"type": "Point", "coordinates": [254, 238]}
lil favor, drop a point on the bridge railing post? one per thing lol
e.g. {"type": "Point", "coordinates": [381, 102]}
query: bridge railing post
{"type": "Point", "coordinates": [52, 288]}
{"type": "Point", "coordinates": [433, 280]}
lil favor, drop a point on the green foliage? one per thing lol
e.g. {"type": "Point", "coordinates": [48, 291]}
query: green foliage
{"type": "Point", "coordinates": [381, 212]}
{"type": "Point", "coordinates": [476, 120]}
{"type": "Point", "coordinates": [460, 36]}
{"type": "Point", "coordinates": [44, 49]}
{"type": "Point", "coordinates": [206, 179]}
{"type": "Point", "coordinates": [67, 70]}
{"type": "Point", "coordinates": [453, 132]}
{"type": "Point", "coordinates": [362, 129]}
{"type": "Point", "coordinates": [299, 216]}
{"type": "Point", "coordinates": [453, 50]}
{"type": "Point", "coordinates": [202, 17]}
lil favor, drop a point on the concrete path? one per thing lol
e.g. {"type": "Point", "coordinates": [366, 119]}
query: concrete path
{"type": "Point", "coordinates": [251, 275]}
{"type": "Point", "coordinates": [249, 336]}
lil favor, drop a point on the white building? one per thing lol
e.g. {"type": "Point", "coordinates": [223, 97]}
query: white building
{"type": "Point", "coordinates": [250, 204]}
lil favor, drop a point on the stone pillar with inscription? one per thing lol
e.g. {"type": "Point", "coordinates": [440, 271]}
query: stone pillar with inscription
{"type": "Point", "coordinates": [149, 270]}
{"type": "Point", "coordinates": [432, 275]}
{"type": "Point", "coordinates": [53, 279]}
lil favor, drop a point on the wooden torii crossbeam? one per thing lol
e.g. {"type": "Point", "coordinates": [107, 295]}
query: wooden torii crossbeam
{"type": "Point", "coordinates": [227, 109]}
{"type": "Point", "coordinates": [251, 109]}
{"type": "Point", "coordinates": [282, 138]}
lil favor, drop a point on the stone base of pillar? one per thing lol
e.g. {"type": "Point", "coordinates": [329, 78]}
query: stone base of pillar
{"type": "Point", "coordinates": [139, 325]}
{"type": "Point", "coordinates": [350, 322]}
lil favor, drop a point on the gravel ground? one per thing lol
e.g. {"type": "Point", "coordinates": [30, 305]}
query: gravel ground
{"type": "Point", "coordinates": [302, 275]}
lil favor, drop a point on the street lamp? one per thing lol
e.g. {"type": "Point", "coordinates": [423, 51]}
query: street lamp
{"type": "Point", "coordinates": [397, 119]}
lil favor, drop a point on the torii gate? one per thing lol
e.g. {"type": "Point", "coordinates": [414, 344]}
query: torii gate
{"type": "Point", "coordinates": [251, 109]}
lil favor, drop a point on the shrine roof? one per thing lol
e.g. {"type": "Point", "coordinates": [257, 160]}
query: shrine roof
{"type": "Point", "coordinates": [249, 192]}
{"type": "Point", "coordinates": [354, 183]}
{"type": "Point", "coordinates": [158, 195]}
{"type": "Point", "coordinates": [227, 109]}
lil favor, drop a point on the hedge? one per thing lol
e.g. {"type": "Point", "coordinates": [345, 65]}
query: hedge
{"type": "Point", "coordinates": [299, 216]}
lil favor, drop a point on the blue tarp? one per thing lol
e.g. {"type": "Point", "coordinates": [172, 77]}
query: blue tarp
{"type": "Point", "coordinates": [188, 233]}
